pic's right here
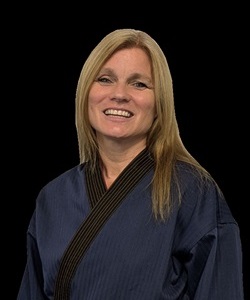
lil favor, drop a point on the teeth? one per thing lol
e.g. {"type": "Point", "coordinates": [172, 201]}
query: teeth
{"type": "Point", "coordinates": [115, 112]}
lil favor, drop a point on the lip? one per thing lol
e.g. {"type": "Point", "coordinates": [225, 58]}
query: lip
{"type": "Point", "coordinates": [118, 112]}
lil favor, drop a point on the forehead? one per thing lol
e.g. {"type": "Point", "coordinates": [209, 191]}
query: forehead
{"type": "Point", "coordinates": [129, 58]}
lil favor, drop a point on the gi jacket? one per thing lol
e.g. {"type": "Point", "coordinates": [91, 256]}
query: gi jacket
{"type": "Point", "coordinates": [85, 242]}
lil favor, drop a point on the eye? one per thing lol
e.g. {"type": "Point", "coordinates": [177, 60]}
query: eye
{"type": "Point", "coordinates": [104, 80]}
{"type": "Point", "coordinates": [140, 85]}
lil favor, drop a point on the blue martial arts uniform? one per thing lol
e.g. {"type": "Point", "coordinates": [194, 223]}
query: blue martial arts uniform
{"type": "Point", "coordinates": [114, 249]}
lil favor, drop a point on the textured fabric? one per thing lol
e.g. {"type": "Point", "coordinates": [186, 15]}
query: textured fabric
{"type": "Point", "coordinates": [196, 254]}
{"type": "Point", "coordinates": [103, 204]}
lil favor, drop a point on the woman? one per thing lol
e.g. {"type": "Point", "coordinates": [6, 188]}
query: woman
{"type": "Point", "coordinates": [139, 217]}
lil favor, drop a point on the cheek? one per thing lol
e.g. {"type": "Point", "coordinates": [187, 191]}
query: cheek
{"type": "Point", "coordinates": [91, 107]}
{"type": "Point", "coordinates": [151, 109]}
{"type": "Point", "coordinates": [95, 93]}
{"type": "Point", "coordinates": [92, 112]}
{"type": "Point", "coordinates": [92, 97]}
{"type": "Point", "coordinates": [93, 101]}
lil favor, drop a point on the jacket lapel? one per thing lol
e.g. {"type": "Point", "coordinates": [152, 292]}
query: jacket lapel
{"type": "Point", "coordinates": [103, 203]}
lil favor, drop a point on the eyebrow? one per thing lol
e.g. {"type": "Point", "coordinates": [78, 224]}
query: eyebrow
{"type": "Point", "coordinates": [133, 76]}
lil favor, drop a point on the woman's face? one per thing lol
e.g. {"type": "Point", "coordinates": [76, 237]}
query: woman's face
{"type": "Point", "coordinates": [121, 99]}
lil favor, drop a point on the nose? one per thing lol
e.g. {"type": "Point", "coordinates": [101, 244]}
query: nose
{"type": "Point", "coordinates": [120, 92]}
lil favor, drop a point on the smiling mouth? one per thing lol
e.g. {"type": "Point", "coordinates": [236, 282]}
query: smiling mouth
{"type": "Point", "coordinates": [116, 112]}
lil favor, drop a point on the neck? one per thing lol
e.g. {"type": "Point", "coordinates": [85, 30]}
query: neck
{"type": "Point", "coordinates": [113, 162]}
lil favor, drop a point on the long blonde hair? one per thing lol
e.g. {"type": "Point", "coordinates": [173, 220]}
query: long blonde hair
{"type": "Point", "coordinates": [163, 141]}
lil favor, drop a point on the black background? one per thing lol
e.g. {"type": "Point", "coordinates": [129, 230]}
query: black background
{"type": "Point", "coordinates": [44, 50]}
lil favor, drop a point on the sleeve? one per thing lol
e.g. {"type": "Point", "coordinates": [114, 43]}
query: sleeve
{"type": "Point", "coordinates": [215, 265]}
{"type": "Point", "coordinates": [208, 247]}
{"type": "Point", "coordinates": [31, 286]}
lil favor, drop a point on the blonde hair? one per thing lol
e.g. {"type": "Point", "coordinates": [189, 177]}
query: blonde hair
{"type": "Point", "coordinates": [163, 141]}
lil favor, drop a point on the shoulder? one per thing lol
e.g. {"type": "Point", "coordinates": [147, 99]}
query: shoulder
{"type": "Point", "coordinates": [203, 208]}
{"type": "Point", "coordinates": [64, 181]}
{"type": "Point", "coordinates": [58, 198]}
{"type": "Point", "coordinates": [192, 180]}
{"type": "Point", "coordinates": [201, 195]}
